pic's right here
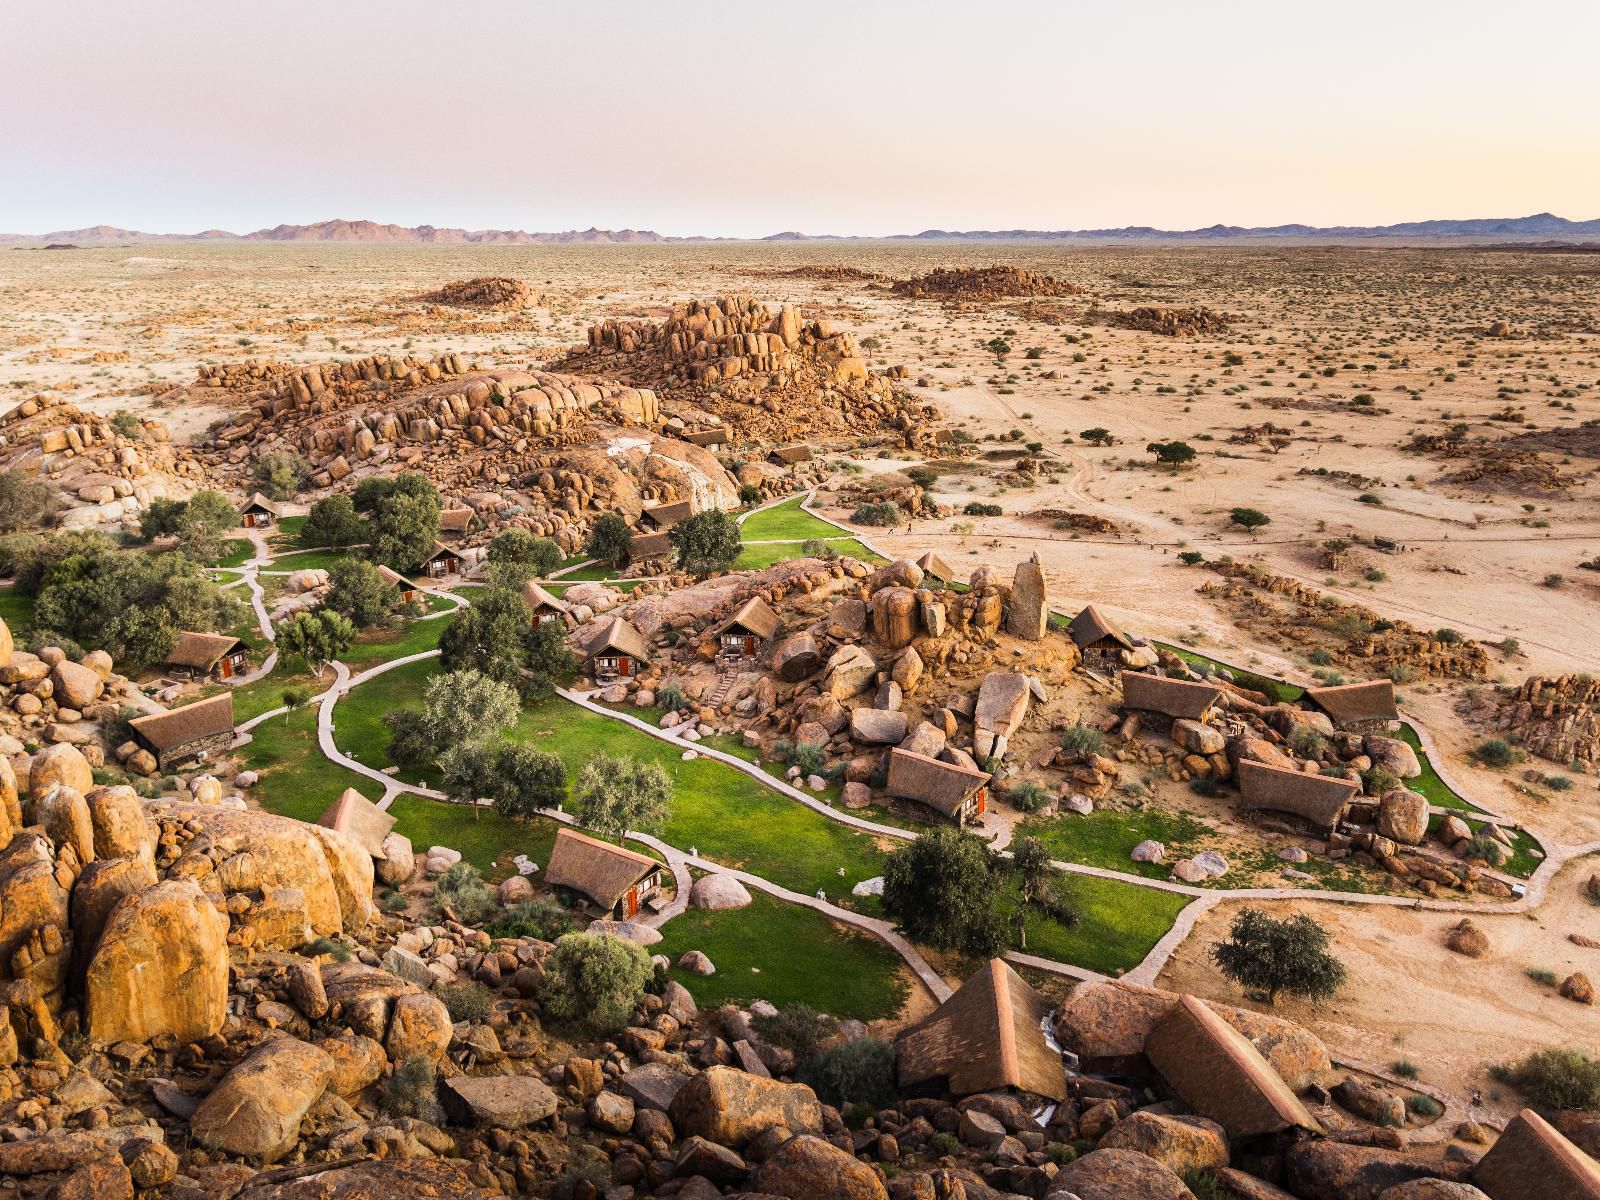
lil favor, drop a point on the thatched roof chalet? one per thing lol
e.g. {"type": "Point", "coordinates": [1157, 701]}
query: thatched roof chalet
{"type": "Point", "coordinates": [754, 616]}
{"type": "Point", "coordinates": [715, 436]}
{"type": "Point", "coordinates": [1353, 703]}
{"type": "Point", "coordinates": [443, 553]}
{"type": "Point", "coordinates": [202, 651]}
{"type": "Point", "coordinates": [1175, 698]}
{"type": "Point", "coordinates": [1219, 1074]}
{"type": "Point", "coordinates": [259, 503]}
{"type": "Point", "coordinates": [785, 456]}
{"type": "Point", "coordinates": [1092, 627]}
{"type": "Point", "coordinates": [1533, 1161]}
{"type": "Point", "coordinates": [665, 516]}
{"type": "Point", "coordinates": [618, 637]}
{"type": "Point", "coordinates": [935, 566]}
{"type": "Point", "coordinates": [183, 726]}
{"type": "Point", "coordinates": [596, 869]}
{"type": "Point", "coordinates": [945, 787]}
{"type": "Point", "coordinates": [390, 575]}
{"type": "Point", "coordinates": [649, 545]}
{"type": "Point", "coordinates": [456, 521]}
{"type": "Point", "coordinates": [359, 819]}
{"type": "Point", "coordinates": [988, 1036]}
{"type": "Point", "coordinates": [1320, 799]}
{"type": "Point", "coordinates": [537, 599]}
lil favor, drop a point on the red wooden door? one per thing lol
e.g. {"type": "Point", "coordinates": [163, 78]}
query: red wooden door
{"type": "Point", "coordinates": [632, 905]}
{"type": "Point", "coordinates": [624, 666]}
{"type": "Point", "coordinates": [749, 646]}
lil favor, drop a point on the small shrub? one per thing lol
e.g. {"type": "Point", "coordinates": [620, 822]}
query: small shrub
{"type": "Point", "coordinates": [809, 757]}
{"type": "Point", "coordinates": [1189, 558]}
{"type": "Point", "coordinates": [588, 1178]}
{"type": "Point", "coordinates": [943, 1144]}
{"type": "Point", "coordinates": [669, 697]}
{"type": "Point", "coordinates": [1423, 1106]}
{"type": "Point", "coordinates": [467, 1000]}
{"type": "Point", "coordinates": [1496, 752]}
{"type": "Point", "coordinates": [1555, 1078]}
{"type": "Point", "coordinates": [1028, 797]}
{"type": "Point", "coordinates": [1081, 739]}
{"type": "Point", "coordinates": [1448, 636]}
{"type": "Point", "coordinates": [1486, 849]}
{"type": "Point", "coordinates": [799, 1029]}
{"type": "Point", "coordinates": [1203, 1184]}
{"type": "Point", "coordinates": [1406, 1069]}
{"type": "Point", "coordinates": [880, 513]}
{"type": "Point", "coordinates": [1557, 783]}
{"type": "Point", "coordinates": [338, 951]}
{"type": "Point", "coordinates": [409, 1090]}
{"type": "Point", "coordinates": [857, 1115]}
{"type": "Point", "coordinates": [862, 1070]}
{"type": "Point", "coordinates": [1060, 1153]}
{"type": "Point", "coordinates": [1307, 742]}
{"type": "Point", "coordinates": [462, 890]}
{"type": "Point", "coordinates": [543, 918]}
{"type": "Point", "coordinates": [393, 902]}
{"type": "Point", "coordinates": [976, 508]}
{"type": "Point", "coordinates": [817, 548]}
{"type": "Point", "coordinates": [594, 982]}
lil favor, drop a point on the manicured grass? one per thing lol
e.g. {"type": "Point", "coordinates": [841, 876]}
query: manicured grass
{"type": "Point", "coordinates": [786, 954]}
{"type": "Point", "coordinates": [287, 534]}
{"type": "Point", "coordinates": [16, 610]}
{"type": "Point", "coordinates": [358, 725]}
{"type": "Point", "coordinates": [786, 522]}
{"type": "Point", "coordinates": [622, 585]}
{"type": "Point", "coordinates": [593, 573]}
{"type": "Point", "coordinates": [482, 839]}
{"type": "Point", "coordinates": [1276, 689]}
{"type": "Point", "coordinates": [1105, 838]}
{"type": "Point", "coordinates": [410, 637]}
{"type": "Point", "coordinates": [309, 560]}
{"type": "Point", "coordinates": [1526, 853]}
{"type": "Point", "coordinates": [296, 780]}
{"type": "Point", "coordinates": [236, 552]}
{"type": "Point", "coordinates": [1118, 924]}
{"type": "Point", "coordinates": [264, 695]}
{"type": "Point", "coordinates": [1428, 783]}
{"type": "Point", "coordinates": [754, 558]}
{"type": "Point", "coordinates": [1327, 875]}
{"type": "Point", "coordinates": [717, 810]}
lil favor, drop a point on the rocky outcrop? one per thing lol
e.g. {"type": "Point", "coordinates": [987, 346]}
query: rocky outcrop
{"type": "Point", "coordinates": [256, 1110]}
{"type": "Point", "coordinates": [809, 1168]}
{"type": "Point", "coordinates": [1117, 1175]}
{"type": "Point", "coordinates": [731, 1107]}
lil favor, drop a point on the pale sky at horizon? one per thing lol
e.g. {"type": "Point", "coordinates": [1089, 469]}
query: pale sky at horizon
{"type": "Point", "coordinates": [825, 117]}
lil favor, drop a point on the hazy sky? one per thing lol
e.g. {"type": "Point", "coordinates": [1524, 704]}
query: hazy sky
{"type": "Point", "coordinates": [873, 116]}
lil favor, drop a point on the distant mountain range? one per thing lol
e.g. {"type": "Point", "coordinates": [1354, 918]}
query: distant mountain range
{"type": "Point", "coordinates": [1541, 227]}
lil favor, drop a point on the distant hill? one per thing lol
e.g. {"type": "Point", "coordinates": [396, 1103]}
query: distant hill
{"type": "Point", "coordinates": [1539, 227]}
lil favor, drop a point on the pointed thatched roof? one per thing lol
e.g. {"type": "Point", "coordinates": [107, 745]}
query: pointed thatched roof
{"type": "Point", "coordinates": [180, 726]}
{"type": "Point", "coordinates": [1533, 1161]}
{"type": "Point", "coordinates": [665, 516]}
{"type": "Point", "coordinates": [597, 869]}
{"type": "Point", "coordinates": [259, 502]}
{"type": "Point", "coordinates": [755, 616]}
{"type": "Point", "coordinates": [1091, 627]}
{"type": "Point", "coordinates": [714, 436]}
{"type": "Point", "coordinates": [1176, 698]}
{"type": "Point", "coordinates": [390, 575]}
{"type": "Point", "coordinates": [202, 651]}
{"type": "Point", "coordinates": [1320, 799]}
{"type": "Point", "coordinates": [932, 564]}
{"type": "Point", "coordinates": [988, 1036]}
{"type": "Point", "coordinates": [1218, 1073]}
{"type": "Point", "coordinates": [931, 781]}
{"type": "Point", "coordinates": [535, 597]}
{"type": "Point", "coordinates": [789, 455]}
{"type": "Point", "coordinates": [455, 520]}
{"type": "Point", "coordinates": [359, 819]}
{"type": "Point", "coordinates": [649, 545]}
{"type": "Point", "coordinates": [440, 550]}
{"type": "Point", "coordinates": [1352, 702]}
{"type": "Point", "coordinates": [619, 636]}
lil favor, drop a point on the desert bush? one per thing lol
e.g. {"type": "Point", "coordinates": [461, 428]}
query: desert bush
{"type": "Point", "coordinates": [409, 1090]}
{"type": "Point", "coordinates": [1307, 742]}
{"type": "Point", "coordinates": [1081, 739]}
{"type": "Point", "coordinates": [880, 512]}
{"type": "Point", "coordinates": [1424, 1106]}
{"type": "Point", "coordinates": [466, 1000]}
{"type": "Point", "coordinates": [800, 1029]}
{"type": "Point", "coordinates": [859, 1071]}
{"type": "Point", "coordinates": [338, 951]}
{"type": "Point", "coordinates": [977, 508]}
{"type": "Point", "coordinates": [817, 548]}
{"type": "Point", "coordinates": [1496, 752]}
{"type": "Point", "coordinates": [1028, 797]}
{"type": "Point", "coordinates": [543, 918]}
{"type": "Point", "coordinates": [463, 891]}
{"type": "Point", "coordinates": [669, 696]}
{"type": "Point", "coordinates": [1556, 1078]}
{"type": "Point", "coordinates": [1406, 1069]}
{"type": "Point", "coordinates": [809, 757]}
{"type": "Point", "coordinates": [1486, 849]}
{"type": "Point", "coordinates": [594, 982]}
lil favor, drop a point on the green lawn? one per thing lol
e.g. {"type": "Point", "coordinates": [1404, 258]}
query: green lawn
{"type": "Point", "coordinates": [236, 552]}
{"type": "Point", "coordinates": [287, 535]}
{"type": "Point", "coordinates": [1276, 689]}
{"type": "Point", "coordinates": [16, 610]}
{"type": "Point", "coordinates": [786, 522]}
{"type": "Point", "coordinates": [1118, 924]}
{"type": "Point", "coordinates": [266, 694]}
{"type": "Point", "coordinates": [377, 646]}
{"type": "Point", "coordinates": [309, 560]}
{"type": "Point", "coordinates": [358, 726]}
{"type": "Point", "coordinates": [622, 585]}
{"type": "Point", "coordinates": [296, 780]}
{"type": "Point", "coordinates": [1428, 783]}
{"type": "Point", "coordinates": [593, 573]}
{"type": "Point", "coordinates": [482, 839]}
{"type": "Point", "coordinates": [1526, 853]}
{"type": "Point", "coordinates": [754, 558]}
{"type": "Point", "coordinates": [786, 954]}
{"type": "Point", "coordinates": [1106, 837]}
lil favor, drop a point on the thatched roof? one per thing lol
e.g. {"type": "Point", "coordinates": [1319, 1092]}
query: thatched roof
{"type": "Point", "coordinates": [932, 564]}
{"type": "Point", "coordinates": [359, 819]}
{"type": "Point", "coordinates": [202, 651]}
{"type": "Point", "coordinates": [1351, 702]}
{"type": "Point", "coordinates": [455, 520]}
{"type": "Point", "coordinates": [1533, 1161]}
{"type": "Point", "coordinates": [440, 550]}
{"type": "Point", "coordinates": [1218, 1073]}
{"type": "Point", "coordinates": [665, 516]}
{"type": "Point", "coordinates": [389, 575]}
{"type": "Point", "coordinates": [599, 870]}
{"type": "Point", "coordinates": [931, 781]}
{"type": "Point", "coordinates": [1177, 698]}
{"type": "Point", "coordinates": [258, 501]}
{"type": "Point", "coordinates": [707, 437]}
{"type": "Point", "coordinates": [1320, 799]}
{"type": "Point", "coordinates": [987, 1036]}
{"type": "Point", "coordinates": [755, 616]}
{"type": "Point", "coordinates": [1091, 627]}
{"type": "Point", "coordinates": [535, 597]}
{"type": "Point", "coordinates": [619, 636]}
{"type": "Point", "coordinates": [787, 455]}
{"type": "Point", "coordinates": [180, 726]}
{"type": "Point", "coordinates": [649, 545]}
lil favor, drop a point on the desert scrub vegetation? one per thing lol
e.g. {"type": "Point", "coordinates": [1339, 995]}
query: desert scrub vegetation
{"type": "Point", "coordinates": [880, 513]}
{"type": "Point", "coordinates": [1555, 1077]}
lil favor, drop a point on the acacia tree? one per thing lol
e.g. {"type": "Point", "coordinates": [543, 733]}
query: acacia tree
{"type": "Point", "coordinates": [333, 521]}
{"type": "Point", "coordinates": [943, 889]}
{"type": "Point", "coordinates": [518, 779]}
{"type": "Point", "coordinates": [1044, 891]}
{"type": "Point", "coordinates": [706, 542]}
{"type": "Point", "coordinates": [609, 539]}
{"type": "Point", "coordinates": [460, 710]}
{"type": "Point", "coordinates": [617, 794]}
{"type": "Point", "coordinates": [1273, 956]}
{"type": "Point", "coordinates": [1173, 454]}
{"type": "Point", "coordinates": [360, 593]}
{"type": "Point", "coordinates": [318, 637]}
{"type": "Point", "coordinates": [1251, 519]}
{"type": "Point", "coordinates": [491, 637]}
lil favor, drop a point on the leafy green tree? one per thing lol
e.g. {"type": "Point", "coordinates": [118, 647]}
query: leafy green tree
{"type": "Point", "coordinates": [1044, 890]}
{"type": "Point", "coordinates": [1173, 454]}
{"type": "Point", "coordinates": [460, 709]}
{"type": "Point", "coordinates": [162, 517]}
{"type": "Point", "coordinates": [318, 637]}
{"type": "Point", "coordinates": [294, 699]}
{"type": "Point", "coordinates": [861, 1071]}
{"type": "Point", "coordinates": [333, 521]}
{"type": "Point", "coordinates": [944, 890]}
{"type": "Point", "coordinates": [281, 474]}
{"type": "Point", "coordinates": [491, 636]}
{"type": "Point", "coordinates": [594, 982]}
{"type": "Point", "coordinates": [520, 546]}
{"type": "Point", "coordinates": [1251, 519]}
{"type": "Point", "coordinates": [609, 539]}
{"type": "Point", "coordinates": [26, 501]}
{"type": "Point", "coordinates": [546, 662]}
{"type": "Point", "coordinates": [207, 518]}
{"type": "Point", "coordinates": [357, 590]}
{"type": "Point", "coordinates": [404, 529]}
{"type": "Point", "coordinates": [1098, 436]}
{"type": "Point", "coordinates": [1275, 956]}
{"type": "Point", "coordinates": [616, 795]}
{"type": "Point", "coordinates": [706, 542]}
{"type": "Point", "coordinates": [520, 780]}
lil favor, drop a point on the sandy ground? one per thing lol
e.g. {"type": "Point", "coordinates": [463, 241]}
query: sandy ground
{"type": "Point", "coordinates": [1312, 329]}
